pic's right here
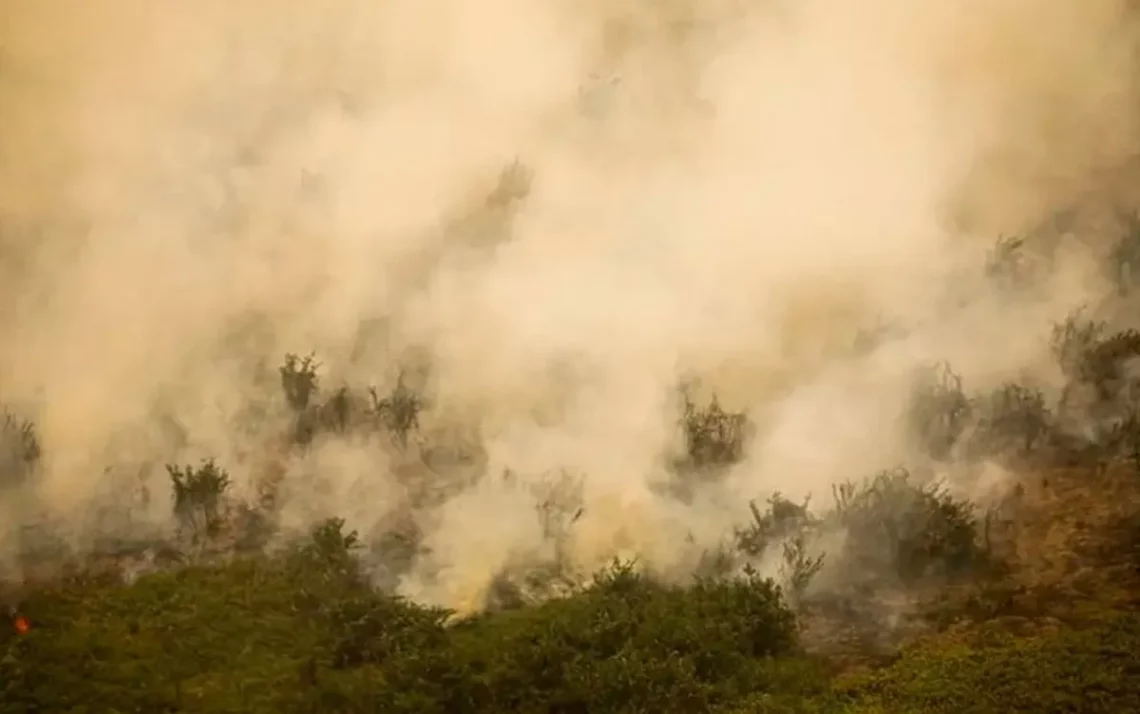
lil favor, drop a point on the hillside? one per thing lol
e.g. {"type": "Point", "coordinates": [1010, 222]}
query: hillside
{"type": "Point", "coordinates": [622, 356]}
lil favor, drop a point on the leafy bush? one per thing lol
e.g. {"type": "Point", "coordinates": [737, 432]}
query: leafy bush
{"type": "Point", "coordinates": [900, 530]}
{"type": "Point", "coordinates": [331, 547]}
{"type": "Point", "coordinates": [626, 643]}
{"type": "Point", "coordinates": [371, 629]}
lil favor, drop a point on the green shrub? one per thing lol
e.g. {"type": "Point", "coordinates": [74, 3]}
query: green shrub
{"type": "Point", "coordinates": [372, 629]}
{"type": "Point", "coordinates": [900, 530]}
{"type": "Point", "coordinates": [330, 546]}
{"type": "Point", "coordinates": [282, 635]}
{"type": "Point", "coordinates": [623, 644]}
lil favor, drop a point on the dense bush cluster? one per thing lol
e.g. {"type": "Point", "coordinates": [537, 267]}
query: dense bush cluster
{"type": "Point", "coordinates": [316, 637]}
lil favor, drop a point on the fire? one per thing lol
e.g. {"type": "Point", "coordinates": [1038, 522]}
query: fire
{"type": "Point", "coordinates": [22, 625]}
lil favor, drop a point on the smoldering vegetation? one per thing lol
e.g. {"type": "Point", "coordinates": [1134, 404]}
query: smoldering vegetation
{"type": "Point", "coordinates": [908, 528]}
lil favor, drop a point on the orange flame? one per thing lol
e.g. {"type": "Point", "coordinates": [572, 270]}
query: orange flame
{"type": "Point", "coordinates": [22, 625]}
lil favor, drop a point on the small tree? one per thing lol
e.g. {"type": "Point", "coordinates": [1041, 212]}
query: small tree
{"type": "Point", "coordinates": [939, 410]}
{"type": "Point", "coordinates": [1072, 341]}
{"type": "Point", "coordinates": [1124, 260]}
{"type": "Point", "coordinates": [19, 449]}
{"type": "Point", "coordinates": [199, 498]}
{"type": "Point", "coordinates": [714, 438]}
{"type": "Point", "coordinates": [1011, 417]}
{"type": "Point", "coordinates": [299, 380]}
{"type": "Point", "coordinates": [399, 412]}
{"type": "Point", "coordinates": [300, 384]}
{"type": "Point", "coordinates": [1007, 265]}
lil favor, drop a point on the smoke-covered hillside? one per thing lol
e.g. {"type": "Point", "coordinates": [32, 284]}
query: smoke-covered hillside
{"type": "Point", "coordinates": [515, 356]}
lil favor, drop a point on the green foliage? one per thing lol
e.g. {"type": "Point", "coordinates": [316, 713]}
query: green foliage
{"type": "Point", "coordinates": [333, 550]}
{"type": "Point", "coordinates": [623, 644]}
{"type": "Point", "coordinates": [371, 629]}
{"type": "Point", "coordinates": [272, 635]}
{"type": "Point", "coordinates": [266, 635]}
